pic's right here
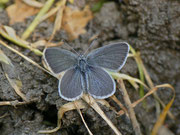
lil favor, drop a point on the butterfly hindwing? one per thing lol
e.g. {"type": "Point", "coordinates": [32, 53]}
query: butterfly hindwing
{"type": "Point", "coordinates": [100, 84]}
{"type": "Point", "coordinates": [70, 85]}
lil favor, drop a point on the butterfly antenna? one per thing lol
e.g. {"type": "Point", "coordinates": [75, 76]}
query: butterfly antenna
{"type": "Point", "coordinates": [70, 47]}
{"type": "Point", "coordinates": [92, 43]}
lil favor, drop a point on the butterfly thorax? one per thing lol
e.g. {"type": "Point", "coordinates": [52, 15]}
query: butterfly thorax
{"type": "Point", "coordinates": [82, 64]}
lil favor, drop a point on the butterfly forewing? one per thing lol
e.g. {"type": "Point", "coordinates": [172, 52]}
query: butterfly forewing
{"type": "Point", "coordinates": [111, 57]}
{"type": "Point", "coordinates": [70, 85]}
{"type": "Point", "coordinates": [100, 84]}
{"type": "Point", "coordinates": [59, 59]}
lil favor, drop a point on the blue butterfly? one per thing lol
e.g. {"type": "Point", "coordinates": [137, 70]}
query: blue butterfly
{"type": "Point", "coordinates": [86, 73]}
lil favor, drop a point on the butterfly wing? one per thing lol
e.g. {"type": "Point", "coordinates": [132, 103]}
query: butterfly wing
{"type": "Point", "coordinates": [111, 57]}
{"type": "Point", "coordinates": [100, 84]}
{"type": "Point", "coordinates": [59, 59]}
{"type": "Point", "coordinates": [70, 85]}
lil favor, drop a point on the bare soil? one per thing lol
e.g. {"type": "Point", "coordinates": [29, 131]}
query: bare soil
{"type": "Point", "coordinates": [150, 26]}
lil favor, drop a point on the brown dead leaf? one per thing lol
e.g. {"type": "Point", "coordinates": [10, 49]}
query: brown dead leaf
{"type": "Point", "coordinates": [19, 11]}
{"type": "Point", "coordinates": [75, 20]}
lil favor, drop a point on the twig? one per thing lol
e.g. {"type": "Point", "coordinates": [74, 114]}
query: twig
{"type": "Point", "coordinates": [49, 14]}
{"type": "Point", "coordinates": [79, 111]}
{"type": "Point", "coordinates": [4, 115]}
{"type": "Point", "coordinates": [96, 107]}
{"type": "Point", "coordinates": [119, 103]}
{"type": "Point", "coordinates": [13, 103]}
{"type": "Point", "coordinates": [37, 19]}
{"type": "Point", "coordinates": [131, 112]}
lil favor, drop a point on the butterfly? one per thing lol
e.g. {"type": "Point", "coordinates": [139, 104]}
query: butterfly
{"type": "Point", "coordinates": [87, 73]}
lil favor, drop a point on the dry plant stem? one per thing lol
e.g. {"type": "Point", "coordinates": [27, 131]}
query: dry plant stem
{"type": "Point", "coordinates": [49, 14]}
{"type": "Point", "coordinates": [13, 103]}
{"type": "Point", "coordinates": [58, 20]}
{"type": "Point", "coordinates": [4, 115]}
{"type": "Point", "coordinates": [141, 74]}
{"type": "Point", "coordinates": [26, 58]}
{"type": "Point", "coordinates": [141, 68]}
{"type": "Point", "coordinates": [131, 112]}
{"type": "Point", "coordinates": [163, 114]}
{"type": "Point", "coordinates": [19, 43]}
{"type": "Point", "coordinates": [79, 111]}
{"type": "Point", "coordinates": [105, 103]}
{"type": "Point", "coordinates": [33, 3]}
{"type": "Point", "coordinates": [113, 97]}
{"type": "Point", "coordinates": [37, 19]}
{"type": "Point", "coordinates": [150, 92]}
{"type": "Point", "coordinates": [118, 76]}
{"type": "Point", "coordinates": [95, 106]}
{"type": "Point", "coordinates": [16, 88]}
{"type": "Point", "coordinates": [150, 83]}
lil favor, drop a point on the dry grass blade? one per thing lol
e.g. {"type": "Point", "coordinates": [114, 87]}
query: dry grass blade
{"type": "Point", "coordinates": [4, 58]}
{"type": "Point", "coordinates": [95, 106]}
{"type": "Point", "coordinates": [58, 20]}
{"type": "Point", "coordinates": [162, 116]}
{"type": "Point", "coordinates": [37, 19]}
{"type": "Point", "coordinates": [119, 103]}
{"type": "Point", "coordinates": [130, 55]}
{"type": "Point", "coordinates": [141, 74]}
{"type": "Point", "coordinates": [49, 14]}
{"type": "Point", "coordinates": [16, 84]}
{"type": "Point", "coordinates": [33, 3]}
{"type": "Point", "coordinates": [121, 112]}
{"type": "Point", "coordinates": [66, 107]}
{"type": "Point", "coordinates": [9, 69]}
{"type": "Point", "coordinates": [4, 115]}
{"type": "Point", "coordinates": [127, 77]}
{"type": "Point", "coordinates": [79, 111]}
{"type": "Point", "coordinates": [134, 84]}
{"type": "Point", "coordinates": [71, 1]}
{"type": "Point", "coordinates": [13, 103]}
{"type": "Point", "coordinates": [150, 83]}
{"type": "Point", "coordinates": [25, 57]}
{"type": "Point", "coordinates": [131, 112]}
{"type": "Point", "coordinates": [9, 34]}
{"type": "Point", "coordinates": [105, 103]}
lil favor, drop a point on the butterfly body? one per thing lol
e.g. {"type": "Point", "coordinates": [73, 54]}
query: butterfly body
{"type": "Point", "coordinates": [87, 73]}
{"type": "Point", "coordinates": [82, 64]}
